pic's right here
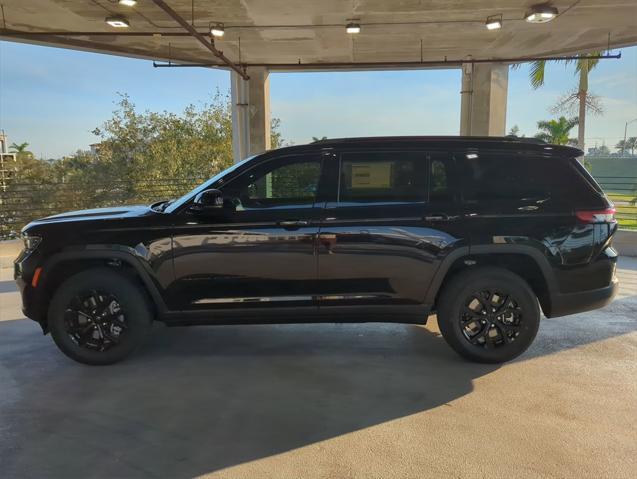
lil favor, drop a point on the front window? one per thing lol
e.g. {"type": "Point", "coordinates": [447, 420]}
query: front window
{"type": "Point", "coordinates": [281, 182]}
{"type": "Point", "coordinates": [179, 202]}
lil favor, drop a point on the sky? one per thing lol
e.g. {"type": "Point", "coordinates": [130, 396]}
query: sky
{"type": "Point", "coordinates": [53, 98]}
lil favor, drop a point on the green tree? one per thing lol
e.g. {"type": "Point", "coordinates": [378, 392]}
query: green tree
{"type": "Point", "coordinates": [581, 98]}
{"type": "Point", "coordinates": [515, 131]}
{"type": "Point", "coordinates": [151, 146]}
{"type": "Point", "coordinates": [142, 157]}
{"type": "Point", "coordinates": [276, 138]}
{"type": "Point", "coordinates": [316, 138]}
{"type": "Point", "coordinates": [557, 131]}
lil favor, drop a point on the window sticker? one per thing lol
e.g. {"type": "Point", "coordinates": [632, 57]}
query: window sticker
{"type": "Point", "coordinates": [371, 175]}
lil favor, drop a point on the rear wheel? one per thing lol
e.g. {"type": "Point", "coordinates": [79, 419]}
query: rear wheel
{"type": "Point", "coordinates": [99, 316]}
{"type": "Point", "coordinates": [488, 315]}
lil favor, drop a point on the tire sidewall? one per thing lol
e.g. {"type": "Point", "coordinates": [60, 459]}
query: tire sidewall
{"type": "Point", "coordinates": [130, 297]}
{"type": "Point", "coordinates": [452, 302]}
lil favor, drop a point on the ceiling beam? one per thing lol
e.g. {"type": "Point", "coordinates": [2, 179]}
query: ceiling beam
{"type": "Point", "coordinates": [203, 40]}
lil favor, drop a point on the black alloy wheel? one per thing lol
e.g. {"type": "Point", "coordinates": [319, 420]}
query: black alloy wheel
{"type": "Point", "coordinates": [491, 319]}
{"type": "Point", "coordinates": [95, 320]}
{"type": "Point", "coordinates": [488, 314]}
{"type": "Point", "coordinates": [100, 316]}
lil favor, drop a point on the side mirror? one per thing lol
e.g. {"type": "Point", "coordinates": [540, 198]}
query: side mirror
{"type": "Point", "coordinates": [208, 201]}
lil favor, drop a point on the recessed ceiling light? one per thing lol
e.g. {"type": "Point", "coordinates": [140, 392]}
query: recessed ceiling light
{"type": "Point", "coordinates": [494, 22]}
{"type": "Point", "coordinates": [541, 13]}
{"type": "Point", "coordinates": [217, 30]}
{"type": "Point", "coordinates": [472, 156]}
{"type": "Point", "coordinates": [118, 22]}
{"type": "Point", "coordinates": [353, 28]}
{"type": "Point", "coordinates": [128, 3]}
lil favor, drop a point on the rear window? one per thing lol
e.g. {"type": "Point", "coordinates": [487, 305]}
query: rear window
{"type": "Point", "coordinates": [498, 176]}
{"type": "Point", "coordinates": [583, 172]}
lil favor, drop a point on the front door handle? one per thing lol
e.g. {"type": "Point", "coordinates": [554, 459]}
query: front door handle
{"type": "Point", "coordinates": [294, 223]}
{"type": "Point", "coordinates": [437, 217]}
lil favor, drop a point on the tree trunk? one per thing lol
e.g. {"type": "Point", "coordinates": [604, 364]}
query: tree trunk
{"type": "Point", "coordinates": [582, 94]}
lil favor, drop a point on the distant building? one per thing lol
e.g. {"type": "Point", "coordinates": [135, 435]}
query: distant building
{"type": "Point", "coordinates": [95, 148]}
{"type": "Point", "coordinates": [7, 162]}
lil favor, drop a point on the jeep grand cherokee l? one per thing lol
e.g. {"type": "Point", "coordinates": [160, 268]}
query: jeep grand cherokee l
{"type": "Point", "coordinates": [483, 232]}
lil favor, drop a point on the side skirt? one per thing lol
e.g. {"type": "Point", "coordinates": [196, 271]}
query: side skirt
{"type": "Point", "coordinates": [337, 314]}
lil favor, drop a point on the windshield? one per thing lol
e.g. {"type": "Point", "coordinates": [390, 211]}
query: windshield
{"type": "Point", "coordinates": [179, 202]}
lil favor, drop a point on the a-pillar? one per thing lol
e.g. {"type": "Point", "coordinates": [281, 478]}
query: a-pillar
{"type": "Point", "coordinates": [250, 113]}
{"type": "Point", "coordinates": [484, 99]}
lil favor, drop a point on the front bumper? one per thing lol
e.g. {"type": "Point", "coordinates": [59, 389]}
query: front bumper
{"type": "Point", "coordinates": [32, 304]}
{"type": "Point", "coordinates": [572, 303]}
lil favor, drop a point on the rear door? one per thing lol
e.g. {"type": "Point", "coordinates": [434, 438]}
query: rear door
{"type": "Point", "coordinates": [521, 197]}
{"type": "Point", "coordinates": [382, 238]}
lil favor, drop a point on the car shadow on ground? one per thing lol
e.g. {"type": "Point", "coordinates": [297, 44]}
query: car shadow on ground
{"type": "Point", "coordinates": [196, 400]}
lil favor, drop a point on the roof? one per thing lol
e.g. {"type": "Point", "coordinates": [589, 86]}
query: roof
{"type": "Point", "coordinates": [302, 32]}
{"type": "Point", "coordinates": [491, 142]}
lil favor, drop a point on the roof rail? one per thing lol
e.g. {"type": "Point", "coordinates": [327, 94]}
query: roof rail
{"type": "Point", "coordinates": [525, 139]}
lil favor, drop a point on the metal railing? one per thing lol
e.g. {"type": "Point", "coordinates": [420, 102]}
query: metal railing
{"type": "Point", "coordinates": [23, 202]}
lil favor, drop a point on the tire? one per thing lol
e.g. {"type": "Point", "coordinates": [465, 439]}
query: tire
{"type": "Point", "coordinates": [483, 329]}
{"type": "Point", "coordinates": [125, 323]}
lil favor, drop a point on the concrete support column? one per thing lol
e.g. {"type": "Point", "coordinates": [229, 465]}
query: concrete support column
{"type": "Point", "coordinates": [484, 99]}
{"type": "Point", "coordinates": [250, 113]}
{"type": "Point", "coordinates": [240, 124]}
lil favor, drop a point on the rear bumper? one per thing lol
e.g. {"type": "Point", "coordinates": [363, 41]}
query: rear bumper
{"type": "Point", "coordinates": [572, 303]}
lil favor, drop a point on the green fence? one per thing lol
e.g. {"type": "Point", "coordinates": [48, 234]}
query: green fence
{"type": "Point", "coordinates": [622, 190]}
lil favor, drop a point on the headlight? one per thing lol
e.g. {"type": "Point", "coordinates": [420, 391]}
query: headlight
{"type": "Point", "coordinates": [31, 242]}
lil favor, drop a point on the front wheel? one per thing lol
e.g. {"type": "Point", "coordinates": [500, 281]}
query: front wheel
{"type": "Point", "coordinates": [488, 315]}
{"type": "Point", "coordinates": [99, 316]}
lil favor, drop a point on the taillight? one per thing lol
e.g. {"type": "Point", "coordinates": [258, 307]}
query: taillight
{"type": "Point", "coordinates": [596, 216]}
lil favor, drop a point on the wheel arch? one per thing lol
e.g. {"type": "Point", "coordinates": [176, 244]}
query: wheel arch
{"type": "Point", "coordinates": [63, 265]}
{"type": "Point", "coordinates": [525, 261]}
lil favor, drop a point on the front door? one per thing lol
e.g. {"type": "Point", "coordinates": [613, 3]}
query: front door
{"type": "Point", "coordinates": [258, 254]}
{"type": "Point", "coordinates": [384, 234]}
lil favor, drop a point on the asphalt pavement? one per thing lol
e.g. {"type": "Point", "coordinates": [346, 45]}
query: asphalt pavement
{"type": "Point", "coordinates": [324, 401]}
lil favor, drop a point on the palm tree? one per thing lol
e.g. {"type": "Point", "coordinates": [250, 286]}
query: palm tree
{"type": "Point", "coordinates": [628, 144]}
{"type": "Point", "coordinates": [583, 66]}
{"type": "Point", "coordinates": [21, 148]}
{"type": "Point", "coordinates": [557, 131]}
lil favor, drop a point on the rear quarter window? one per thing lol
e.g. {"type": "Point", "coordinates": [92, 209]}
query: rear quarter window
{"type": "Point", "coordinates": [502, 176]}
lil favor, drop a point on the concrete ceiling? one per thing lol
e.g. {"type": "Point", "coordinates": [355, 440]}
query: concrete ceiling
{"type": "Point", "coordinates": [312, 31]}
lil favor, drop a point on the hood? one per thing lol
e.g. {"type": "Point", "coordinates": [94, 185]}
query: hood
{"type": "Point", "coordinates": [120, 212]}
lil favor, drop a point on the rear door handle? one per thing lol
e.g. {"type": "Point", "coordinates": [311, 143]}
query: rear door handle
{"type": "Point", "coordinates": [294, 223]}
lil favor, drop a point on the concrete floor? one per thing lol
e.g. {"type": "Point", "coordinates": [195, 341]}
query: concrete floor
{"type": "Point", "coordinates": [337, 401]}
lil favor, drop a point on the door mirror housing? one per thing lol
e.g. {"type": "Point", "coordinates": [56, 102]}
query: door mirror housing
{"type": "Point", "coordinates": [208, 202]}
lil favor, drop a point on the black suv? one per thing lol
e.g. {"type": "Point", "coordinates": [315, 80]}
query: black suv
{"type": "Point", "coordinates": [480, 231]}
